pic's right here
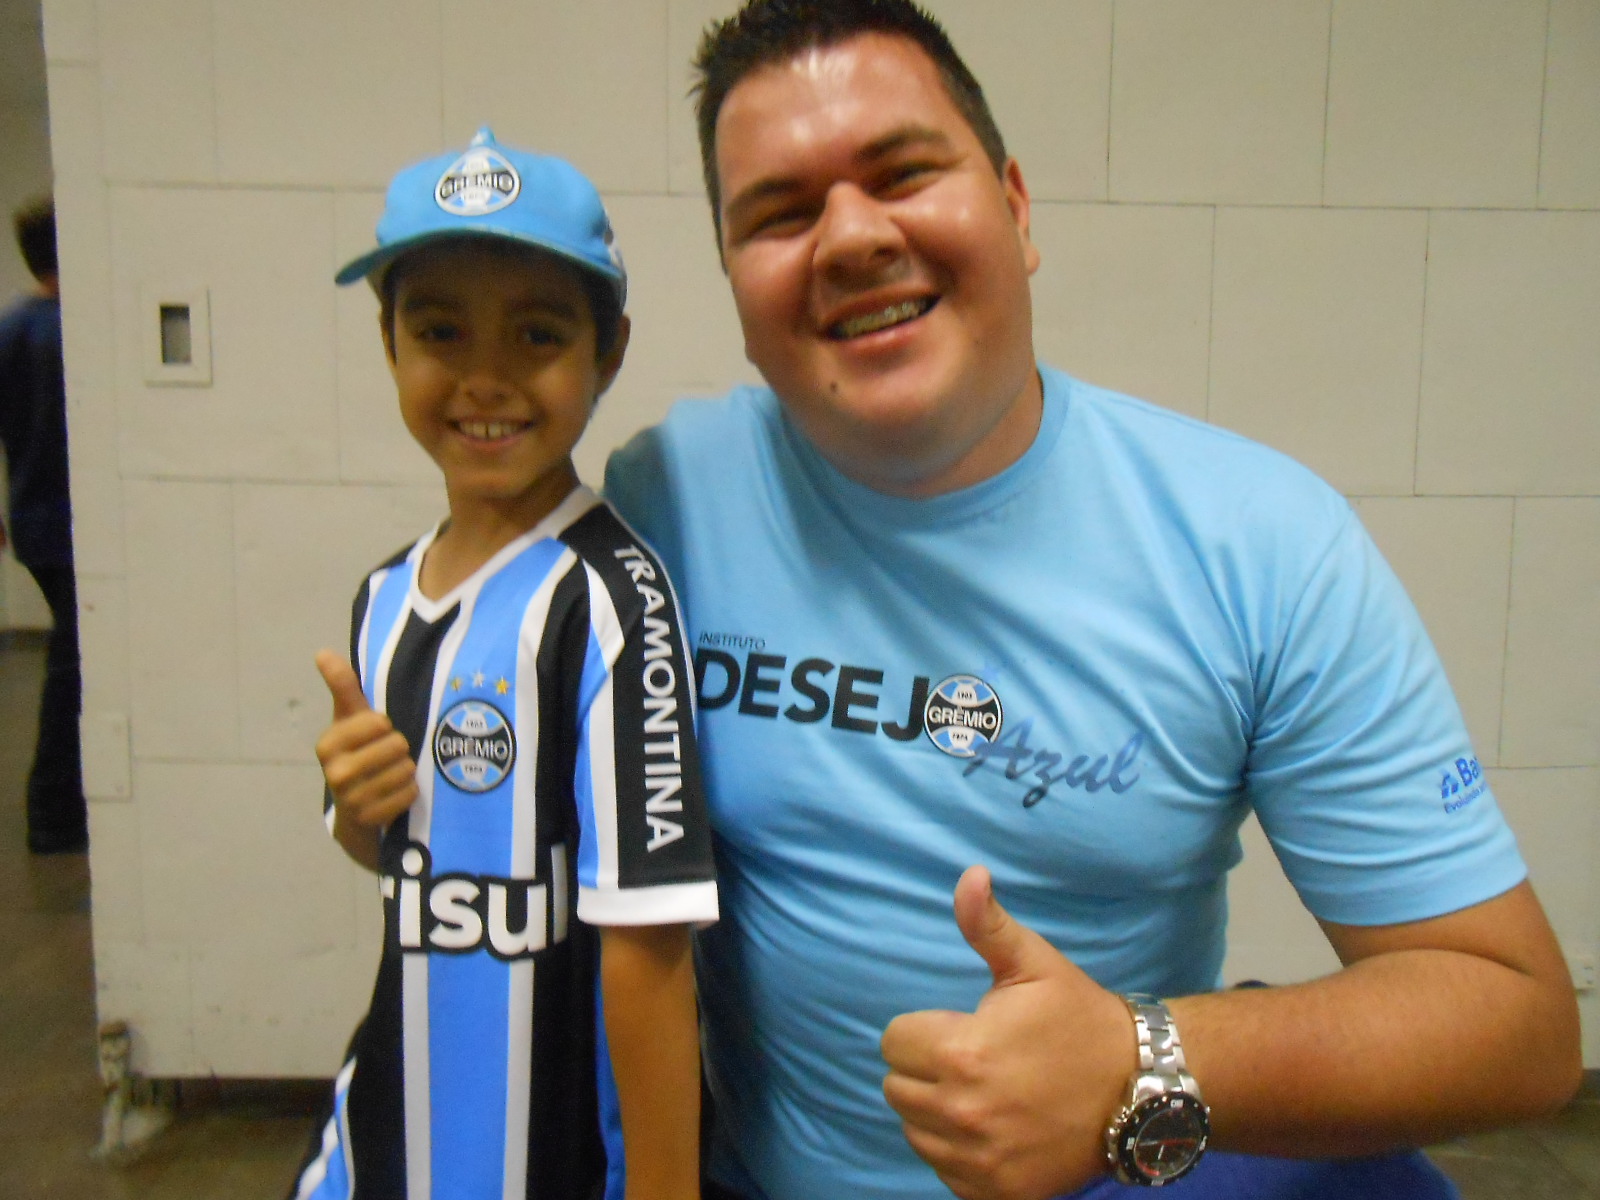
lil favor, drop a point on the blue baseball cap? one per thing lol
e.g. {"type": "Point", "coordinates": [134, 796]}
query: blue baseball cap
{"type": "Point", "coordinates": [490, 190]}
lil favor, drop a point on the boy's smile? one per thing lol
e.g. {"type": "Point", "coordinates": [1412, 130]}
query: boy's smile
{"type": "Point", "coordinates": [492, 348]}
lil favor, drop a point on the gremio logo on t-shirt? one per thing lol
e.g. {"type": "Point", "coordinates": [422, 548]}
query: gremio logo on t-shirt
{"type": "Point", "coordinates": [473, 746]}
{"type": "Point", "coordinates": [963, 714]}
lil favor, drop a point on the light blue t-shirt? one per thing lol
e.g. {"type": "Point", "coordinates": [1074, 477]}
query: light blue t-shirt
{"type": "Point", "coordinates": [1083, 673]}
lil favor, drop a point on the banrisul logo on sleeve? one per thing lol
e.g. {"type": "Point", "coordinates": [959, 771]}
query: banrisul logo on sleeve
{"type": "Point", "coordinates": [473, 746]}
{"type": "Point", "coordinates": [481, 181]}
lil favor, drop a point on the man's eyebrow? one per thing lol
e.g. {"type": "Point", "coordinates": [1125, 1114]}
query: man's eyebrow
{"type": "Point", "coordinates": [910, 136]}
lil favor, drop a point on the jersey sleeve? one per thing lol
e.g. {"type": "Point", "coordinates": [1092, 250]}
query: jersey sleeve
{"type": "Point", "coordinates": [644, 855]}
{"type": "Point", "coordinates": [1360, 768]}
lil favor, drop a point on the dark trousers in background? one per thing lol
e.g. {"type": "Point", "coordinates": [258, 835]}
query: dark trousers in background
{"type": "Point", "coordinates": [58, 818]}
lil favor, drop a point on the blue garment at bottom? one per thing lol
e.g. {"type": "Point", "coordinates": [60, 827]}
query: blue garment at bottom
{"type": "Point", "coordinates": [1221, 1176]}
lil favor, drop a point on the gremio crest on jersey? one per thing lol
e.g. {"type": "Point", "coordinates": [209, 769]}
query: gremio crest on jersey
{"type": "Point", "coordinates": [963, 712]}
{"type": "Point", "coordinates": [473, 746]}
{"type": "Point", "coordinates": [481, 181]}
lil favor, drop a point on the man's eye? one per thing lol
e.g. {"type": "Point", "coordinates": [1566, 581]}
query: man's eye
{"type": "Point", "coordinates": [540, 335]}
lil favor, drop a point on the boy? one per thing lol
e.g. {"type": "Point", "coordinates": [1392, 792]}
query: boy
{"type": "Point", "coordinates": [515, 759]}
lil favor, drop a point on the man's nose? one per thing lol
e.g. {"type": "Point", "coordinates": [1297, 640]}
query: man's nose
{"type": "Point", "coordinates": [856, 234]}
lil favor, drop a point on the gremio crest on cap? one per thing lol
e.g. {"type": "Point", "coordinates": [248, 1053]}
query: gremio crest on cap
{"type": "Point", "coordinates": [481, 181]}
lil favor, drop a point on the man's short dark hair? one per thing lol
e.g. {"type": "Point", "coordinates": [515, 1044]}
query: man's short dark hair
{"type": "Point", "coordinates": [764, 32]}
{"type": "Point", "coordinates": [35, 223]}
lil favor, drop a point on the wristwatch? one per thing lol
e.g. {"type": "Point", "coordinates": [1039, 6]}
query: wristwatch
{"type": "Point", "coordinates": [1161, 1132]}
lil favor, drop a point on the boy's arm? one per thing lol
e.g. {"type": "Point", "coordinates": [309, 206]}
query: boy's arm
{"type": "Point", "coordinates": [366, 762]}
{"type": "Point", "coordinates": [647, 981]}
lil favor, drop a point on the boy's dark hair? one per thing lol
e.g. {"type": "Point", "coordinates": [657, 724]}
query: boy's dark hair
{"type": "Point", "coordinates": [602, 303]}
{"type": "Point", "coordinates": [35, 223]}
{"type": "Point", "coordinates": [764, 32]}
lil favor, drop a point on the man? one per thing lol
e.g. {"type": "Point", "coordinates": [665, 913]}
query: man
{"type": "Point", "coordinates": [33, 431]}
{"type": "Point", "coordinates": [953, 608]}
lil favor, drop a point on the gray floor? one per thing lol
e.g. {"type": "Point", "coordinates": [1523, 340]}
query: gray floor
{"type": "Point", "coordinates": [241, 1140]}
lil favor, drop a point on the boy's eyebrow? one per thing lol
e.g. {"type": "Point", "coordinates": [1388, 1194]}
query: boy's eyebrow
{"type": "Point", "coordinates": [420, 301]}
{"type": "Point", "coordinates": [908, 136]}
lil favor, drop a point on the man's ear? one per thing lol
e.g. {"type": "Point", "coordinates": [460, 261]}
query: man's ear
{"type": "Point", "coordinates": [611, 360]}
{"type": "Point", "coordinates": [1021, 210]}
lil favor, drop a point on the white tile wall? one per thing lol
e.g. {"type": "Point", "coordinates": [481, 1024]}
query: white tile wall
{"type": "Point", "coordinates": [585, 81]}
{"type": "Point", "coordinates": [1218, 101]}
{"type": "Point", "coordinates": [182, 622]}
{"type": "Point", "coordinates": [1050, 92]}
{"type": "Point", "coordinates": [301, 554]}
{"type": "Point", "coordinates": [1569, 162]}
{"type": "Point", "coordinates": [1555, 813]}
{"type": "Point", "coordinates": [374, 445]}
{"type": "Point", "coordinates": [245, 843]}
{"type": "Point", "coordinates": [304, 95]}
{"type": "Point", "coordinates": [117, 913]}
{"type": "Point", "coordinates": [1123, 298]}
{"type": "Point", "coordinates": [1454, 558]}
{"type": "Point", "coordinates": [1316, 338]}
{"type": "Point", "coordinates": [159, 86]}
{"type": "Point", "coordinates": [296, 1021]}
{"type": "Point", "coordinates": [147, 985]}
{"type": "Point", "coordinates": [269, 412]}
{"type": "Point", "coordinates": [1511, 355]}
{"type": "Point", "coordinates": [107, 688]}
{"type": "Point", "coordinates": [70, 28]}
{"type": "Point", "coordinates": [1552, 699]}
{"type": "Point", "coordinates": [686, 23]}
{"type": "Point", "coordinates": [1435, 102]}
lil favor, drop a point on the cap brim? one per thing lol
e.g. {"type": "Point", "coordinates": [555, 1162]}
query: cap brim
{"type": "Point", "coordinates": [377, 260]}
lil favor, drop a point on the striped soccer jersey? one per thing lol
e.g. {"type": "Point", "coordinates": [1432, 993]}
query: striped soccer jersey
{"type": "Point", "coordinates": [547, 701]}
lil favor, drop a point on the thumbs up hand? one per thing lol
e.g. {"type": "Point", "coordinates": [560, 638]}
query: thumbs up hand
{"type": "Point", "coordinates": [365, 760]}
{"type": "Point", "coordinates": [1011, 1102]}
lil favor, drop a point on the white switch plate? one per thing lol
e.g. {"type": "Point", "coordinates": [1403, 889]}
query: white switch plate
{"type": "Point", "coordinates": [197, 299]}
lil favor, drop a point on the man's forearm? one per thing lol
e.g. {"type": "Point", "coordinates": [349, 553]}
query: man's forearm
{"type": "Point", "coordinates": [1410, 1043]}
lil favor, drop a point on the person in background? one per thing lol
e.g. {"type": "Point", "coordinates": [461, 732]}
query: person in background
{"type": "Point", "coordinates": [33, 430]}
{"type": "Point", "coordinates": [954, 607]}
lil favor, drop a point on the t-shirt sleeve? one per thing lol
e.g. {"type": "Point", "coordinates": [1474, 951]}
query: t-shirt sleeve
{"type": "Point", "coordinates": [1360, 768]}
{"type": "Point", "coordinates": [644, 854]}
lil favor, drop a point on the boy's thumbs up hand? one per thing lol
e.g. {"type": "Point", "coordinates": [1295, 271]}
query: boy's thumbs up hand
{"type": "Point", "coordinates": [364, 758]}
{"type": "Point", "coordinates": [1011, 1101]}
{"type": "Point", "coordinates": [343, 683]}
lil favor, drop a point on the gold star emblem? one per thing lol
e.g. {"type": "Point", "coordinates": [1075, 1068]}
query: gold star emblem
{"type": "Point", "coordinates": [502, 686]}
{"type": "Point", "coordinates": [455, 684]}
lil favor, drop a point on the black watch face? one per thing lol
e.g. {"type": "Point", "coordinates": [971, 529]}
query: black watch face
{"type": "Point", "coordinates": [1164, 1139]}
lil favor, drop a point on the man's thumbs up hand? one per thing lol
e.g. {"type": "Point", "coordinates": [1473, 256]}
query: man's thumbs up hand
{"type": "Point", "coordinates": [364, 758]}
{"type": "Point", "coordinates": [1011, 1101]}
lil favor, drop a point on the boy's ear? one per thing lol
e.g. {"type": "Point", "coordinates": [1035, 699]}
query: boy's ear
{"type": "Point", "coordinates": [386, 329]}
{"type": "Point", "coordinates": [611, 360]}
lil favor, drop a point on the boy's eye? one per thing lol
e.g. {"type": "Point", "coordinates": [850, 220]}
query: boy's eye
{"type": "Point", "coordinates": [543, 335]}
{"type": "Point", "coordinates": [437, 331]}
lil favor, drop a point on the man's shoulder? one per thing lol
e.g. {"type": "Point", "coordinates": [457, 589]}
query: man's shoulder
{"type": "Point", "coordinates": [1183, 461]}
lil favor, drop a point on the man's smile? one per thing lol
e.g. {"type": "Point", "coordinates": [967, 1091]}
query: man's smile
{"type": "Point", "coordinates": [881, 318]}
